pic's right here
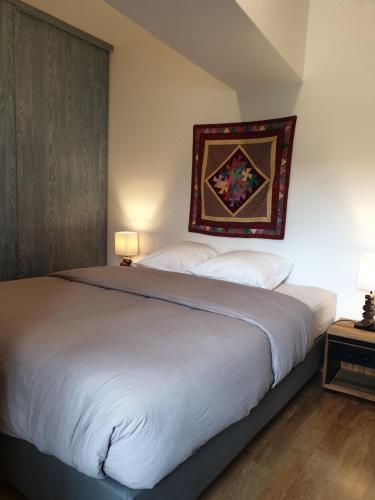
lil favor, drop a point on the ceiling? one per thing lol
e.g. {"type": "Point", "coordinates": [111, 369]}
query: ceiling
{"type": "Point", "coordinates": [244, 43]}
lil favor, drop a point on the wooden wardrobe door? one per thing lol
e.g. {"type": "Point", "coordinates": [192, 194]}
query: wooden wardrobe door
{"type": "Point", "coordinates": [61, 102]}
{"type": "Point", "coordinates": [8, 195]}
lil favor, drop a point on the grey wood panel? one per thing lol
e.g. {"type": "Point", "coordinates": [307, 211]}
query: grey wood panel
{"type": "Point", "coordinates": [8, 202]}
{"type": "Point", "coordinates": [29, 9]}
{"type": "Point", "coordinates": [61, 102]}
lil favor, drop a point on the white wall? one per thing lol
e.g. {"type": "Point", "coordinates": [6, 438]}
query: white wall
{"type": "Point", "coordinates": [332, 192]}
{"type": "Point", "coordinates": [284, 24]}
{"type": "Point", "coordinates": [331, 201]}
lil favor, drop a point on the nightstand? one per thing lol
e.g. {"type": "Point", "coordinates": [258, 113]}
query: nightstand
{"type": "Point", "coordinates": [349, 360]}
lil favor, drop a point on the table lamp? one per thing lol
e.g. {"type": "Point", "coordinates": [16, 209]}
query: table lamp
{"type": "Point", "coordinates": [366, 281]}
{"type": "Point", "coordinates": [126, 246]}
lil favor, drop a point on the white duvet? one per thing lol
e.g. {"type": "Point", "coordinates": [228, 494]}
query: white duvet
{"type": "Point", "coordinates": [126, 372]}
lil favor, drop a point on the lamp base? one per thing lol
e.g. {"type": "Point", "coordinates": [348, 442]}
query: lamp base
{"type": "Point", "coordinates": [368, 321]}
{"type": "Point", "coordinates": [126, 261]}
{"type": "Point", "coordinates": [361, 326]}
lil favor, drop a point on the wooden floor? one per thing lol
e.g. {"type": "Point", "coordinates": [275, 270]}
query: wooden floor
{"type": "Point", "coordinates": [320, 447]}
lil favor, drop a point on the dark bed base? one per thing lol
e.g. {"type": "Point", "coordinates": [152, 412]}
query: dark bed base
{"type": "Point", "coordinates": [43, 477]}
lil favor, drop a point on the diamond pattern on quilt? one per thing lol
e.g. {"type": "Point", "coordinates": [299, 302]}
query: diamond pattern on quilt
{"type": "Point", "coordinates": [237, 180]}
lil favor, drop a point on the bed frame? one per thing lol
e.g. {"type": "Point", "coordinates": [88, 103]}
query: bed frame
{"type": "Point", "coordinates": [43, 477]}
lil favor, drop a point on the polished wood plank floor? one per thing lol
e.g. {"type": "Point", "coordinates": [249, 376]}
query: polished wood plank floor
{"type": "Point", "coordinates": [320, 447]}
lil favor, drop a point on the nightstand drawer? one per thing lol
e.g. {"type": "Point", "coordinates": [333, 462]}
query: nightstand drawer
{"type": "Point", "coordinates": [351, 353]}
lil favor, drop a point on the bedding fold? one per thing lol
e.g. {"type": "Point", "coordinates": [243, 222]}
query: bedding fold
{"type": "Point", "coordinates": [286, 321]}
{"type": "Point", "coordinates": [125, 372]}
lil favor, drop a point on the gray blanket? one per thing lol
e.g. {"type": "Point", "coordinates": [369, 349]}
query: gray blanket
{"type": "Point", "coordinates": [126, 371]}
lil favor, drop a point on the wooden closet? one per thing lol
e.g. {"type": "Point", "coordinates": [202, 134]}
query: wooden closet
{"type": "Point", "coordinates": [53, 144]}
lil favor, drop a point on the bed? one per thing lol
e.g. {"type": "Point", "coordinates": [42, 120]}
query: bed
{"type": "Point", "coordinates": [122, 383]}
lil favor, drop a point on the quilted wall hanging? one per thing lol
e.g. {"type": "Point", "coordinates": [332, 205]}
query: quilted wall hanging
{"type": "Point", "coordinates": [240, 178]}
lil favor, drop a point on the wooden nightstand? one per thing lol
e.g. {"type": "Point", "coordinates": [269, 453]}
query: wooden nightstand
{"type": "Point", "coordinates": [349, 360]}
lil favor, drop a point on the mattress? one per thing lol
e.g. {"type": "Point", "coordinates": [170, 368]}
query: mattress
{"type": "Point", "coordinates": [321, 302]}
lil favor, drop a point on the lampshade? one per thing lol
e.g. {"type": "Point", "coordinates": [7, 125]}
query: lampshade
{"type": "Point", "coordinates": [126, 243]}
{"type": "Point", "coordinates": [366, 272]}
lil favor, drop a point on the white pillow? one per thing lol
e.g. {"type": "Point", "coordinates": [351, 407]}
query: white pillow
{"type": "Point", "coordinates": [179, 257]}
{"type": "Point", "coordinates": [260, 269]}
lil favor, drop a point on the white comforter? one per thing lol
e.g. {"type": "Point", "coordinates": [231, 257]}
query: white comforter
{"type": "Point", "coordinates": [126, 372]}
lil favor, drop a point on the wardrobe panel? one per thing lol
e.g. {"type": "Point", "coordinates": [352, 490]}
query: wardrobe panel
{"type": "Point", "coordinates": [8, 199]}
{"type": "Point", "coordinates": [61, 101]}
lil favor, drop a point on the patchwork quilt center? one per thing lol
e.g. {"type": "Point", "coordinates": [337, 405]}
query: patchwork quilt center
{"type": "Point", "coordinates": [236, 180]}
